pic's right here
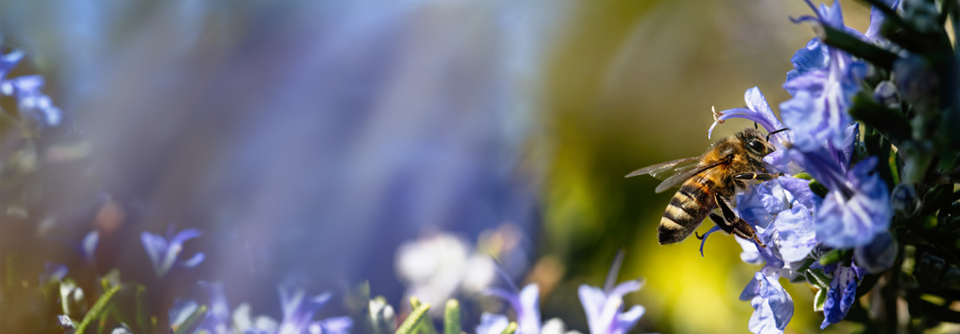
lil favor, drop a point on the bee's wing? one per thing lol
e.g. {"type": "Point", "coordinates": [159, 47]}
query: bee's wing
{"type": "Point", "coordinates": [664, 170]}
{"type": "Point", "coordinates": [676, 180]}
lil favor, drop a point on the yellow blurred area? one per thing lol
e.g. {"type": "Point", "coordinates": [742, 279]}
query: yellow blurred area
{"type": "Point", "coordinates": [631, 84]}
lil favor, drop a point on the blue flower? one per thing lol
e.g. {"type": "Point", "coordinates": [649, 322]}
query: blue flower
{"type": "Point", "coordinates": [604, 307]}
{"type": "Point", "coordinates": [822, 83]}
{"type": "Point", "coordinates": [89, 245]}
{"type": "Point", "coordinates": [526, 303]}
{"type": "Point", "coordinates": [181, 310]}
{"type": "Point", "coordinates": [876, 20]}
{"type": "Point", "coordinates": [27, 91]}
{"type": "Point", "coordinates": [298, 310]}
{"type": "Point", "coordinates": [53, 272]}
{"type": "Point", "coordinates": [218, 316]}
{"type": "Point", "coordinates": [772, 305]}
{"type": "Point", "coordinates": [492, 323]}
{"type": "Point", "coordinates": [841, 294]}
{"type": "Point", "coordinates": [758, 110]}
{"type": "Point", "coordinates": [163, 252]}
{"type": "Point", "coordinates": [857, 207]}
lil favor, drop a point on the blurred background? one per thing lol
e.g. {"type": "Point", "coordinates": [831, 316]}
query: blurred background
{"type": "Point", "coordinates": [324, 143]}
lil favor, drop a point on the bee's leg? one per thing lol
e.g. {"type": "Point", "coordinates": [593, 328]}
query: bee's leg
{"type": "Point", "coordinates": [721, 222]}
{"type": "Point", "coordinates": [757, 176]}
{"type": "Point", "coordinates": [737, 225]}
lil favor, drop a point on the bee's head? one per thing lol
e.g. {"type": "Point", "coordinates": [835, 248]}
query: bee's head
{"type": "Point", "coordinates": [755, 143]}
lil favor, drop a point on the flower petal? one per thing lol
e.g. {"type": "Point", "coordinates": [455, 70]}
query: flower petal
{"type": "Point", "coordinates": [492, 323]}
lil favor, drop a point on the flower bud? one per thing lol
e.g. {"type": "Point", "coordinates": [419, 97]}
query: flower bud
{"type": "Point", "coordinates": [922, 14]}
{"type": "Point", "coordinates": [887, 94]}
{"type": "Point", "coordinates": [382, 317]}
{"type": "Point", "coordinates": [67, 324]}
{"type": "Point", "coordinates": [72, 298]}
{"type": "Point", "coordinates": [917, 82]}
{"type": "Point", "coordinates": [904, 200]}
{"type": "Point", "coordinates": [878, 255]}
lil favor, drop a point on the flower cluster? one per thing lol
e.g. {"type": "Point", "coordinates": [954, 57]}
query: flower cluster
{"type": "Point", "coordinates": [829, 219]}
{"type": "Point", "coordinates": [604, 307]}
{"type": "Point", "coordinates": [27, 90]}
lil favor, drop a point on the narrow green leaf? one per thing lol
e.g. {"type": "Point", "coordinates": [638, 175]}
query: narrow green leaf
{"type": "Point", "coordinates": [511, 328]}
{"type": "Point", "coordinates": [816, 277]}
{"type": "Point", "coordinates": [188, 324]}
{"type": "Point", "coordinates": [451, 318]}
{"type": "Point", "coordinates": [142, 314]}
{"type": "Point", "coordinates": [99, 307]}
{"type": "Point", "coordinates": [856, 47]}
{"type": "Point", "coordinates": [414, 318]}
{"type": "Point", "coordinates": [819, 300]}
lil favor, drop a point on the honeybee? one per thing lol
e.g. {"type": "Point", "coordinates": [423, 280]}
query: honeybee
{"type": "Point", "coordinates": [710, 181]}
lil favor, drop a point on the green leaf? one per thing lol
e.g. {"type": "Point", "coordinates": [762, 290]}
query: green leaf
{"type": "Point", "coordinates": [817, 277]}
{"type": "Point", "coordinates": [413, 320]}
{"type": "Point", "coordinates": [819, 300]}
{"type": "Point", "coordinates": [451, 318]}
{"type": "Point", "coordinates": [831, 257]}
{"type": "Point", "coordinates": [192, 320]}
{"type": "Point", "coordinates": [869, 52]}
{"type": "Point", "coordinates": [98, 308]}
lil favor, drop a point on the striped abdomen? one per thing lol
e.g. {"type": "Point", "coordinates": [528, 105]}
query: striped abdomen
{"type": "Point", "coordinates": [686, 210]}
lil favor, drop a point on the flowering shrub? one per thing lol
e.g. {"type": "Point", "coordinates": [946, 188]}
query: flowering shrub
{"type": "Point", "coordinates": [864, 212]}
{"type": "Point", "coordinates": [831, 220]}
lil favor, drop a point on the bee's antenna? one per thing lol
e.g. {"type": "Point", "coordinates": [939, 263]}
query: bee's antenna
{"type": "Point", "coordinates": [774, 132]}
{"type": "Point", "coordinates": [755, 126]}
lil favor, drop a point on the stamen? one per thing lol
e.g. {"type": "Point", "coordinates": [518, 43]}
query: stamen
{"type": "Point", "coordinates": [716, 115]}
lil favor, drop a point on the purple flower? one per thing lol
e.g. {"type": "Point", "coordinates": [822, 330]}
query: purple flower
{"type": "Point", "coordinates": [53, 272]}
{"type": "Point", "coordinates": [89, 245]}
{"type": "Point", "coordinates": [298, 310]}
{"type": "Point", "coordinates": [27, 91]}
{"type": "Point", "coordinates": [823, 82]}
{"type": "Point", "coordinates": [163, 252]}
{"type": "Point", "coordinates": [772, 305]}
{"type": "Point", "coordinates": [857, 207]}
{"type": "Point", "coordinates": [526, 303]}
{"type": "Point", "coordinates": [841, 294]}
{"type": "Point", "coordinates": [218, 316]}
{"type": "Point", "coordinates": [181, 310]}
{"type": "Point", "coordinates": [876, 20]}
{"type": "Point", "coordinates": [492, 323]}
{"type": "Point", "coordinates": [757, 110]}
{"type": "Point", "coordinates": [604, 307]}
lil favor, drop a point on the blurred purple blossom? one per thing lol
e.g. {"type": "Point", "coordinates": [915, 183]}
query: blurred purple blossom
{"type": "Point", "coordinates": [492, 323]}
{"type": "Point", "coordinates": [164, 252]}
{"type": "Point", "coordinates": [604, 307]}
{"type": "Point", "coordinates": [26, 90]}
{"type": "Point", "coordinates": [217, 320]}
{"type": "Point", "coordinates": [526, 303]}
{"type": "Point", "coordinates": [53, 272]}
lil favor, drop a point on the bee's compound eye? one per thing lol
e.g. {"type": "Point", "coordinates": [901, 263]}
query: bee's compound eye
{"type": "Point", "coordinates": [755, 145]}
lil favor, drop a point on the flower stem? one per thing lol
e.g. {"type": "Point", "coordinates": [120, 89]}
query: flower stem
{"type": "Point", "coordinates": [99, 307]}
{"type": "Point", "coordinates": [413, 320]}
